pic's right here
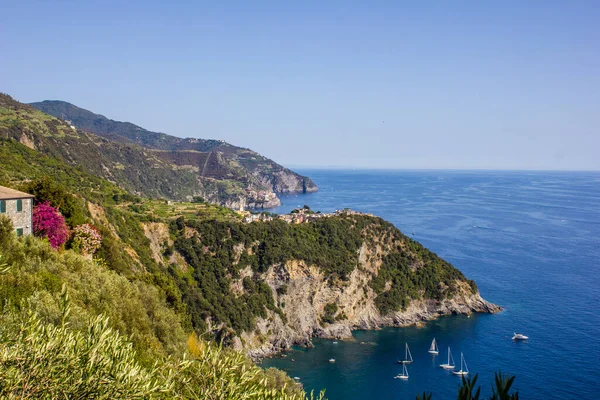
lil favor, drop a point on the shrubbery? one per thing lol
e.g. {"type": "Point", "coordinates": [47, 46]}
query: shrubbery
{"type": "Point", "coordinates": [86, 239]}
{"type": "Point", "coordinates": [54, 344]}
{"type": "Point", "coordinates": [44, 361]}
{"type": "Point", "coordinates": [50, 224]}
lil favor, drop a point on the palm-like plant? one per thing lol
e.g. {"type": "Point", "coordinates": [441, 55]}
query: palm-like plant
{"type": "Point", "coordinates": [467, 390]}
{"type": "Point", "coordinates": [503, 384]}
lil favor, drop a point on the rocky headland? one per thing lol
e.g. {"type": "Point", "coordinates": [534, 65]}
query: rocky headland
{"type": "Point", "coordinates": [308, 297]}
{"type": "Point", "coordinates": [309, 292]}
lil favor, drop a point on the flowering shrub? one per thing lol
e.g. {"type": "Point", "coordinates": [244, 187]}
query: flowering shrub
{"type": "Point", "coordinates": [49, 223]}
{"type": "Point", "coordinates": [86, 239]}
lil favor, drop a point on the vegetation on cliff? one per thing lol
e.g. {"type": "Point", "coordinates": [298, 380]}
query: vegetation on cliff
{"type": "Point", "coordinates": [332, 244]}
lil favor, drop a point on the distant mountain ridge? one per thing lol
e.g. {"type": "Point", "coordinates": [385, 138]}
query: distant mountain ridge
{"type": "Point", "coordinates": [225, 174]}
{"type": "Point", "coordinates": [124, 132]}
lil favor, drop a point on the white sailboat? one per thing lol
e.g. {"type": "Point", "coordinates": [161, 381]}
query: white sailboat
{"type": "Point", "coordinates": [407, 356]}
{"type": "Point", "coordinates": [450, 363]}
{"type": "Point", "coordinates": [433, 349]}
{"type": "Point", "coordinates": [404, 374]}
{"type": "Point", "coordinates": [464, 370]}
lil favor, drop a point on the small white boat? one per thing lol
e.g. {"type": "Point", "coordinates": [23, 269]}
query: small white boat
{"type": "Point", "coordinates": [332, 360]}
{"type": "Point", "coordinates": [519, 336]}
{"type": "Point", "coordinates": [464, 370]}
{"type": "Point", "coordinates": [334, 342]}
{"type": "Point", "coordinates": [407, 356]}
{"type": "Point", "coordinates": [433, 349]}
{"type": "Point", "coordinates": [296, 378]}
{"type": "Point", "coordinates": [404, 374]}
{"type": "Point", "coordinates": [450, 364]}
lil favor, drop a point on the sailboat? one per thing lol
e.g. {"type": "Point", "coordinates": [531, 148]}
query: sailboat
{"type": "Point", "coordinates": [407, 356]}
{"type": "Point", "coordinates": [450, 363]}
{"type": "Point", "coordinates": [404, 374]}
{"type": "Point", "coordinates": [433, 349]}
{"type": "Point", "coordinates": [463, 370]}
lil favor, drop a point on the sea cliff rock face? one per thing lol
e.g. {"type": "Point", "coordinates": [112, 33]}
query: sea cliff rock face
{"type": "Point", "coordinates": [308, 292]}
{"type": "Point", "coordinates": [279, 282]}
{"type": "Point", "coordinates": [285, 181]}
{"type": "Point", "coordinates": [241, 202]}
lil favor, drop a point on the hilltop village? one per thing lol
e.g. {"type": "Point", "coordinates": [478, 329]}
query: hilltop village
{"type": "Point", "coordinates": [298, 215]}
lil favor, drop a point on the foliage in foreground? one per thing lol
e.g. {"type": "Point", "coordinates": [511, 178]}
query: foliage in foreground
{"type": "Point", "coordinates": [136, 308]}
{"type": "Point", "coordinates": [469, 391]}
{"type": "Point", "coordinates": [44, 360]}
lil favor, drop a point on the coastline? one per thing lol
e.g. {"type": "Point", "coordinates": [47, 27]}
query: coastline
{"type": "Point", "coordinates": [417, 316]}
{"type": "Point", "coordinates": [302, 327]}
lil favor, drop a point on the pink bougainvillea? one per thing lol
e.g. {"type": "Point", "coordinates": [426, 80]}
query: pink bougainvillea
{"type": "Point", "coordinates": [49, 223]}
{"type": "Point", "coordinates": [86, 239]}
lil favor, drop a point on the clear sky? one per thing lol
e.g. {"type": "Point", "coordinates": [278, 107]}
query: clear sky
{"type": "Point", "coordinates": [378, 84]}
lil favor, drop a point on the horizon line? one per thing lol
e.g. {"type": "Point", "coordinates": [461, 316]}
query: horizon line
{"type": "Point", "coordinates": [348, 168]}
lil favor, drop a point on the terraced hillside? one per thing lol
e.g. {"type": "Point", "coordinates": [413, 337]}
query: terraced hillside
{"type": "Point", "coordinates": [208, 159]}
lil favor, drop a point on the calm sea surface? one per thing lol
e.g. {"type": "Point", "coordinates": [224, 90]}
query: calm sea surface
{"type": "Point", "coordinates": [531, 241]}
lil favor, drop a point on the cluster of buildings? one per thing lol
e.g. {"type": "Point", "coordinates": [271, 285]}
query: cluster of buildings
{"type": "Point", "coordinates": [261, 196]}
{"type": "Point", "coordinates": [298, 216]}
{"type": "Point", "coordinates": [18, 207]}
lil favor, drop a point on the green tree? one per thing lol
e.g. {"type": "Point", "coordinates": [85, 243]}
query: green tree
{"type": "Point", "coordinates": [45, 189]}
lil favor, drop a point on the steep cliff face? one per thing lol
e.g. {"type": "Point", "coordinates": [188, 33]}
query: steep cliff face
{"type": "Point", "coordinates": [308, 293]}
{"type": "Point", "coordinates": [286, 281]}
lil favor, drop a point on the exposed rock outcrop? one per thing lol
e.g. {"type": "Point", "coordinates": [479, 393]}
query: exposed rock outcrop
{"type": "Point", "coordinates": [308, 291]}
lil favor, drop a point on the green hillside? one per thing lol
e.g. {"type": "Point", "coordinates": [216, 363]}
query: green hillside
{"type": "Point", "coordinates": [213, 159]}
{"type": "Point", "coordinates": [72, 328]}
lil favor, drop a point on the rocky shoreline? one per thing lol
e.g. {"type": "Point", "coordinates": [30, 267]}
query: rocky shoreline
{"type": "Point", "coordinates": [308, 292]}
{"type": "Point", "coordinates": [417, 314]}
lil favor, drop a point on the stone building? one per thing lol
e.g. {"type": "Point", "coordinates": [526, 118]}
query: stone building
{"type": "Point", "coordinates": [18, 206]}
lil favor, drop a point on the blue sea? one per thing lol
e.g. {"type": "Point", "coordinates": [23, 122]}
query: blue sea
{"type": "Point", "coordinates": [531, 241]}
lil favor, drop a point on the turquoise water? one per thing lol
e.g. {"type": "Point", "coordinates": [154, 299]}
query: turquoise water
{"type": "Point", "coordinates": [531, 241]}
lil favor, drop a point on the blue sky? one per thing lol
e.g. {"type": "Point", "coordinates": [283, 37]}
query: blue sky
{"type": "Point", "coordinates": [377, 84]}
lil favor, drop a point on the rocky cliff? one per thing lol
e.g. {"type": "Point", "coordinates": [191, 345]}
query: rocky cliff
{"type": "Point", "coordinates": [308, 293]}
{"type": "Point", "coordinates": [324, 277]}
